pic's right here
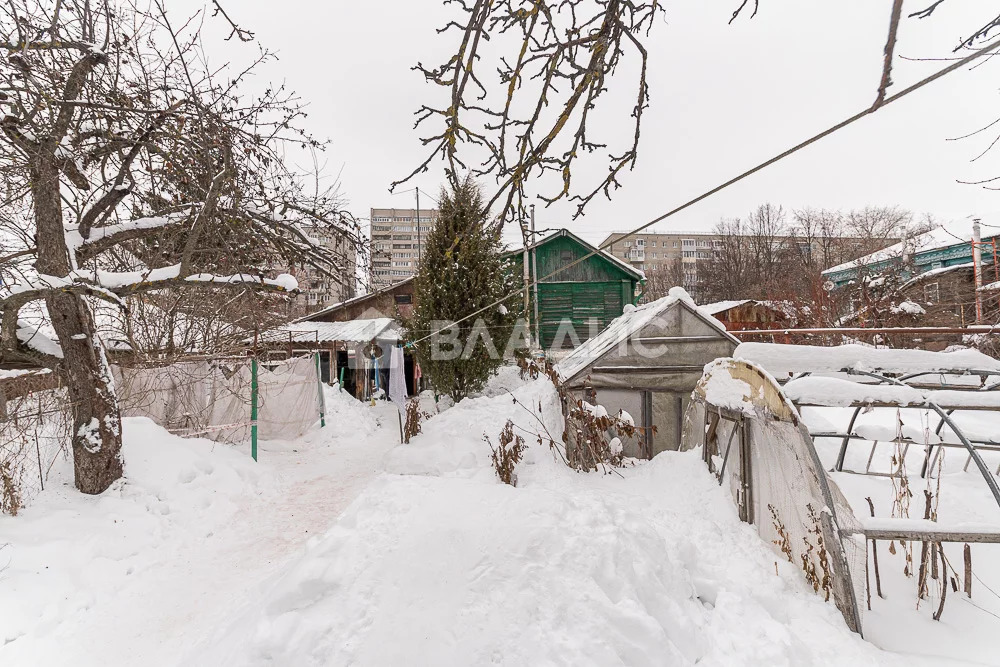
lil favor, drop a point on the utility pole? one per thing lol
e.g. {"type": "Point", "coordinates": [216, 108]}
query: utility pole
{"type": "Point", "coordinates": [419, 249]}
{"type": "Point", "coordinates": [527, 282]}
{"type": "Point", "coordinates": [977, 267]}
{"type": "Point", "coordinates": [534, 271]}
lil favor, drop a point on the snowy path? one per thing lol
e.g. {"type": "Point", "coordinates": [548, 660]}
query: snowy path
{"type": "Point", "coordinates": [182, 565]}
{"type": "Point", "coordinates": [316, 557]}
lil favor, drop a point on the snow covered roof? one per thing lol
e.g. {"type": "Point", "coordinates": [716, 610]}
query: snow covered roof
{"type": "Point", "coordinates": [352, 331]}
{"type": "Point", "coordinates": [628, 324]}
{"type": "Point", "coordinates": [943, 236]}
{"type": "Point", "coordinates": [722, 306]}
{"type": "Point", "coordinates": [781, 360]}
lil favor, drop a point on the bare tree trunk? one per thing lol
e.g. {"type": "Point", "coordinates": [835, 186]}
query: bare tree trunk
{"type": "Point", "coordinates": [97, 428]}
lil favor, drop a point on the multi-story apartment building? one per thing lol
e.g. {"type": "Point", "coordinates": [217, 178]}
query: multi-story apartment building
{"type": "Point", "coordinates": [321, 291]}
{"type": "Point", "coordinates": [397, 243]}
{"type": "Point", "coordinates": [687, 253]}
{"type": "Point", "coordinates": [653, 251]}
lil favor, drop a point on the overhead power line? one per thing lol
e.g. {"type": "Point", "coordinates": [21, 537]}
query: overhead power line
{"type": "Point", "coordinates": [750, 172]}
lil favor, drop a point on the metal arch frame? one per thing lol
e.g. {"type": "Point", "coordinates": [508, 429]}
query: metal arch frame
{"type": "Point", "coordinates": [828, 515]}
{"type": "Point", "coordinates": [945, 419]}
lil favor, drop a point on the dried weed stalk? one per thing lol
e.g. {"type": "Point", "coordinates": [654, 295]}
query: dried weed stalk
{"type": "Point", "coordinates": [507, 455]}
{"type": "Point", "coordinates": [411, 427]}
{"type": "Point", "coordinates": [784, 542]}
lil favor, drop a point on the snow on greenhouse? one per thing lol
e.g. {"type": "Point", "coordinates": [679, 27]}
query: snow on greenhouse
{"type": "Point", "coordinates": [645, 364]}
{"type": "Point", "coordinates": [824, 468]}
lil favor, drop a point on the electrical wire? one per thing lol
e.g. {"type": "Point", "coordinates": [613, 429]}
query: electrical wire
{"type": "Point", "coordinates": [763, 165]}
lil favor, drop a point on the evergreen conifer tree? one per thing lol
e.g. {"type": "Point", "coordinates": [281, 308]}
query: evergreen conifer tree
{"type": "Point", "coordinates": [461, 271]}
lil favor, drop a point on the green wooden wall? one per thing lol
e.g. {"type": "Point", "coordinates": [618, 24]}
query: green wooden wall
{"type": "Point", "coordinates": [589, 294]}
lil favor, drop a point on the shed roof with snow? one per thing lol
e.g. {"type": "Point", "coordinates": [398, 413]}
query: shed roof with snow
{"type": "Point", "coordinates": [646, 363]}
{"type": "Point", "coordinates": [671, 334]}
{"type": "Point", "coordinates": [353, 331]}
{"type": "Point", "coordinates": [943, 246]}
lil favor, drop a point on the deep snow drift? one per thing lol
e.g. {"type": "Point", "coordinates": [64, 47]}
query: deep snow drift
{"type": "Point", "coordinates": [138, 574]}
{"type": "Point", "coordinates": [440, 564]}
{"type": "Point", "coordinates": [345, 548]}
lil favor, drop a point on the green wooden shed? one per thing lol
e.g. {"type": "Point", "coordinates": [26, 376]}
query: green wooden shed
{"type": "Point", "coordinates": [578, 302]}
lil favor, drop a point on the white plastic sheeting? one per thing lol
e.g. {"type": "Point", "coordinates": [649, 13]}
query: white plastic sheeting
{"type": "Point", "coordinates": [211, 398]}
{"type": "Point", "coordinates": [754, 438]}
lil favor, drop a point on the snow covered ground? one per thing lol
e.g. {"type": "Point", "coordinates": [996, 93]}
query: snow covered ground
{"type": "Point", "coordinates": [346, 548]}
{"type": "Point", "coordinates": [968, 627]}
{"type": "Point", "coordinates": [138, 574]}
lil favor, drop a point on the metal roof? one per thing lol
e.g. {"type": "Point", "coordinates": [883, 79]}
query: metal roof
{"type": "Point", "coordinates": [722, 306]}
{"type": "Point", "coordinates": [352, 331]}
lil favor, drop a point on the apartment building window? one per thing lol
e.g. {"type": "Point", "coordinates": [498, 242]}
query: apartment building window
{"type": "Point", "coordinates": [403, 219]}
{"type": "Point", "coordinates": [675, 244]}
{"type": "Point", "coordinates": [689, 253]}
{"type": "Point", "coordinates": [381, 219]}
{"type": "Point", "coordinates": [688, 243]}
{"type": "Point", "coordinates": [652, 244]}
{"type": "Point", "coordinates": [654, 255]}
{"type": "Point", "coordinates": [628, 244]}
{"type": "Point", "coordinates": [640, 243]}
{"type": "Point", "coordinates": [702, 254]}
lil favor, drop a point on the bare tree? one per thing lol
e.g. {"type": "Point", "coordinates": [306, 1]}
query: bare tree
{"type": "Point", "coordinates": [554, 60]}
{"type": "Point", "coordinates": [750, 259]}
{"type": "Point", "coordinates": [768, 256]}
{"type": "Point", "coordinates": [132, 167]}
{"type": "Point", "coordinates": [660, 279]}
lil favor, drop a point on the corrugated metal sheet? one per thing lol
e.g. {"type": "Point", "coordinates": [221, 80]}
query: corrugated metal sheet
{"type": "Point", "coordinates": [353, 331]}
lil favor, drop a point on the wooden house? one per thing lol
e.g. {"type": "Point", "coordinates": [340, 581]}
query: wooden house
{"type": "Point", "coordinates": [577, 295]}
{"type": "Point", "coordinates": [394, 301]}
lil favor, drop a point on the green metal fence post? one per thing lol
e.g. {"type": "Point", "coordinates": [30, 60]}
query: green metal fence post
{"type": "Point", "coordinates": [319, 387]}
{"type": "Point", "coordinates": [253, 407]}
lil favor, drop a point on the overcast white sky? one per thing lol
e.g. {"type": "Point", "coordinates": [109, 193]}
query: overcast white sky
{"type": "Point", "coordinates": [724, 97]}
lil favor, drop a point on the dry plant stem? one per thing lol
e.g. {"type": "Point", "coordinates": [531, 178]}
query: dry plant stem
{"type": "Point", "coordinates": [944, 587]}
{"type": "Point", "coordinates": [507, 454]}
{"type": "Point", "coordinates": [878, 578]}
{"type": "Point", "coordinates": [967, 557]}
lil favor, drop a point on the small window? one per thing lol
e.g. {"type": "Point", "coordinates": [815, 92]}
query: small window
{"type": "Point", "coordinates": [640, 242]}
{"type": "Point", "coordinates": [403, 298]}
{"type": "Point", "coordinates": [566, 255]}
